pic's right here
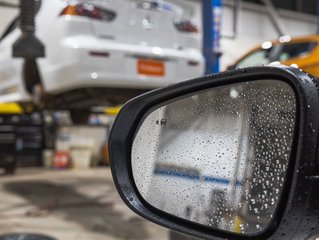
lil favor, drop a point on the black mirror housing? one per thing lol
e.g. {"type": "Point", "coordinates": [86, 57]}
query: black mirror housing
{"type": "Point", "coordinates": [297, 214]}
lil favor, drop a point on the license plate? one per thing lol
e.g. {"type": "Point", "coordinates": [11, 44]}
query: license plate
{"type": "Point", "coordinates": [151, 68]}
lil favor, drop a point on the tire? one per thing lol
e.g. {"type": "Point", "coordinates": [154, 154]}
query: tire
{"type": "Point", "coordinates": [80, 116]}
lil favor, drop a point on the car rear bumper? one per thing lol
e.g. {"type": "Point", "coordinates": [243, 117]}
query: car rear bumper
{"type": "Point", "coordinates": [86, 61]}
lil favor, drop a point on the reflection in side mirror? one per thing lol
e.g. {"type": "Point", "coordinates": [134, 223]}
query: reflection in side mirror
{"type": "Point", "coordinates": [218, 158]}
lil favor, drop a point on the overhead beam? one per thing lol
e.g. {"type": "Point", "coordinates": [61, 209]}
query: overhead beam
{"type": "Point", "coordinates": [275, 18]}
{"type": "Point", "coordinates": [212, 10]}
{"type": "Point", "coordinates": [236, 17]}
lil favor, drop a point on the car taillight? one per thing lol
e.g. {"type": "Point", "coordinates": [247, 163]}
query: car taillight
{"type": "Point", "coordinates": [90, 11]}
{"type": "Point", "coordinates": [186, 26]}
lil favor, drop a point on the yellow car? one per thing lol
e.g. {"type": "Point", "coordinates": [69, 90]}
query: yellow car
{"type": "Point", "coordinates": [302, 52]}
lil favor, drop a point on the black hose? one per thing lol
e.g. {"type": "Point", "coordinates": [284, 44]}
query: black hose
{"type": "Point", "coordinates": [27, 15]}
{"type": "Point", "coordinates": [28, 46]}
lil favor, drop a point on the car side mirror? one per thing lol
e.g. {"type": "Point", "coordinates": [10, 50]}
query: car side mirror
{"type": "Point", "coordinates": [228, 156]}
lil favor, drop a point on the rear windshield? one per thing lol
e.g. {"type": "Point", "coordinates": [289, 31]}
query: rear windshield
{"type": "Point", "coordinates": [280, 52]}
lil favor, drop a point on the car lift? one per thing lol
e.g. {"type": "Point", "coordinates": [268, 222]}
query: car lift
{"type": "Point", "coordinates": [212, 9]}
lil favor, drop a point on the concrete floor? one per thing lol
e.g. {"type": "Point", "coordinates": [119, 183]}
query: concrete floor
{"type": "Point", "coordinates": [70, 205]}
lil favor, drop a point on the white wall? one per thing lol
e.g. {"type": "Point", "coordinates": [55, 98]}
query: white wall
{"type": "Point", "coordinates": [255, 27]}
{"type": "Point", "coordinates": [6, 16]}
{"type": "Point", "coordinates": [92, 137]}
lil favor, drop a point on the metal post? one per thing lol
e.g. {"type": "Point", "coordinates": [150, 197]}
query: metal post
{"type": "Point", "coordinates": [212, 10]}
{"type": "Point", "coordinates": [236, 13]}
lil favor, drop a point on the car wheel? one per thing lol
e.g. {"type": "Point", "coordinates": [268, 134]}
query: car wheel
{"type": "Point", "coordinates": [80, 116]}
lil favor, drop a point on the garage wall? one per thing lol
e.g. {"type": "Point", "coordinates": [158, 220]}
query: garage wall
{"type": "Point", "coordinates": [255, 27]}
{"type": "Point", "coordinates": [6, 16]}
{"type": "Point", "coordinates": [91, 137]}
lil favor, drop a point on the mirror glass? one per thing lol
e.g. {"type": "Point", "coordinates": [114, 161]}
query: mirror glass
{"type": "Point", "coordinates": [219, 157]}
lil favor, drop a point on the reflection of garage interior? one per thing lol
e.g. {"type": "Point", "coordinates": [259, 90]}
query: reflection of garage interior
{"type": "Point", "coordinates": [56, 178]}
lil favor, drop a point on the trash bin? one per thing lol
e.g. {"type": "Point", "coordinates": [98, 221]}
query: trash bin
{"type": "Point", "coordinates": [81, 158]}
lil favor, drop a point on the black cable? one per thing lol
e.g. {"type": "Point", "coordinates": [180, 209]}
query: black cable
{"type": "Point", "coordinates": [27, 15]}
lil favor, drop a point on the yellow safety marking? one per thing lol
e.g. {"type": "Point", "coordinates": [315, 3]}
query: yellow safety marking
{"type": "Point", "coordinates": [112, 110]}
{"type": "Point", "coordinates": [10, 108]}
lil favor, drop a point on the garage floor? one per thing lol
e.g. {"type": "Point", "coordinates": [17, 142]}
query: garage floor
{"type": "Point", "coordinates": [70, 205]}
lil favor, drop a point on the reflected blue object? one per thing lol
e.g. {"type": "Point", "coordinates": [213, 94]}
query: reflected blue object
{"type": "Point", "coordinates": [159, 171]}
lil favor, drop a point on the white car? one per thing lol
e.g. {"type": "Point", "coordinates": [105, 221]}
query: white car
{"type": "Point", "coordinates": [103, 52]}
